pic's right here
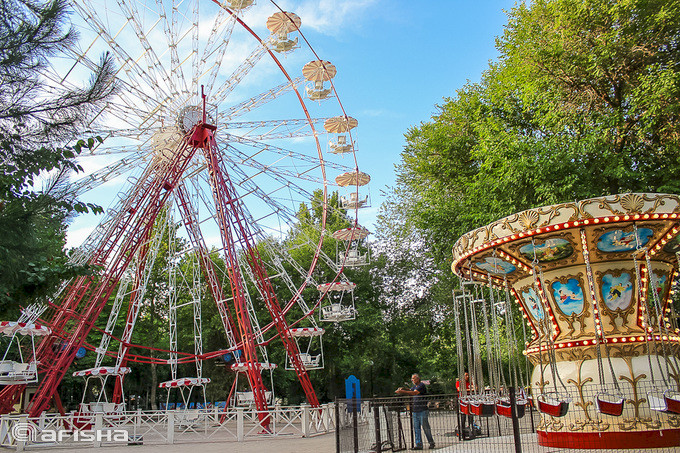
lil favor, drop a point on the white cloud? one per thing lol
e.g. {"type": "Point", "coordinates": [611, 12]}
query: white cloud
{"type": "Point", "coordinates": [330, 17]}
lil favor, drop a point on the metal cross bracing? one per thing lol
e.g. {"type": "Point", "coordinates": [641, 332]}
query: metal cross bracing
{"type": "Point", "coordinates": [259, 100]}
{"type": "Point", "coordinates": [86, 296]}
{"type": "Point", "coordinates": [190, 220]}
{"type": "Point", "coordinates": [142, 272]}
{"type": "Point", "coordinates": [231, 217]}
{"type": "Point", "coordinates": [282, 252]}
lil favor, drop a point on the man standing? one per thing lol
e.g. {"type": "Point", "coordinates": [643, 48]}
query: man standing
{"type": "Point", "coordinates": [419, 410]}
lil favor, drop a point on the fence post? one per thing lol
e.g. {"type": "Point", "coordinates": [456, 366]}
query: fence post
{"type": "Point", "coordinates": [239, 424]}
{"type": "Point", "coordinates": [171, 427]}
{"type": "Point", "coordinates": [355, 424]}
{"type": "Point", "coordinates": [376, 417]}
{"type": "Point", "coordinates": [410, 421]}
{"type": "Point", "coordinates": [98, 423]}
{"type": "Point", "coordinates": [337, 425]}
{"type": "Point", "coordinates": [305, 420]}
{"type": "Point", "coordinates": [325, 417]}
{"type": "Point", "coordinates": [515, 420]}
{"type": "Point", "coordinates": [21, 440]}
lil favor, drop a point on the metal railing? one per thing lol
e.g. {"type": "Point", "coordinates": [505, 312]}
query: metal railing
{"type": "Point", "coordinates": [163, 427]}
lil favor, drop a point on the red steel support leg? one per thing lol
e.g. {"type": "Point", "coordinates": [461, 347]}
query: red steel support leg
{"type": "Point", "coordinates": [231, 213]}
{"type": "Point", "coordinates": [87, 296]}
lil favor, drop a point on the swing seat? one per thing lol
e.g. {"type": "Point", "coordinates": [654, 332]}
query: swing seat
{"type": "Point", "coordinates": [657, 402]}
{"type": "Point", "coordinates": [19, 373]}
{"type": "Point", "coordinates": [610, 404]}
{"type": "Point", "coordinates": [504, 408]}
{"type": "Point", "coordinates": [672, 402]}
{"type": "Point", "coordinates": [464, 407]}
{"type": "Point", "coordinates": [483, 408]}
{"type": "Point", "coordinates": [552, 407]}
{"type": "Point", "coordinates": [6, 367]}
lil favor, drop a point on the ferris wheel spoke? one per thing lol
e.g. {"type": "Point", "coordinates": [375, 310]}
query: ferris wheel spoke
{"type": "Point", "coordinates": [270, 168]}
{"type": "Point", "coordinates": [106, 174]}
{"type": "Point", "coordinates": [261, 147]}
{"type": "Point", "coordinates": [277, 129]}
{"type": "Point", "coordinates": [127, 91]}
{"type": "Point", "coordinates": [133, 70]}
{"type": "Point", "coordinates": [232, 82]}
{"type": "Point", "coordinates": [154, 65]}
{"type": "Point", "coordinates": [213, 51]}
{"type": "Point", "coordinates": [288, 213]}
{"type": "Point", "coordinates": [173, 40]}
{"type": "Point", "coordinates": [259, 100]}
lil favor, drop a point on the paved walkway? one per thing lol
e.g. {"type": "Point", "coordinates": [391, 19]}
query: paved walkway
{"type": "Point", "coordinates": [283, 444]}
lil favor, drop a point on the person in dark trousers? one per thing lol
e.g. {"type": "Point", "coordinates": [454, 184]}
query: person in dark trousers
{"type": "Point", "coordinates": [467, 419]}
{"type": "Point", "coordinates": [419, 410]}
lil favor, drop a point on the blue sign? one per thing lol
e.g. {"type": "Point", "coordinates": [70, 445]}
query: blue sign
{"type": "Point", "coordinates": [231, 356]}
{"type": "Point", "coordinates": [81, 353]}
{"type": "Point", "coordinates": [353, 390]}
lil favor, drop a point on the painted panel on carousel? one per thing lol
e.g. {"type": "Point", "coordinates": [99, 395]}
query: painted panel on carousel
{"type": "Point", "coordinates": [660, 280]}
{"type": "Point", "coordinates": [495, 266]}
{"type": "Point", "coordinates": [552, 249]}
{"type": "Point", "coordinates": [533, 303]}
{"type": "Point", "coordinates": [623, 241]}
{"type": "Point", "coordinates": [568, 296]}
{"type": "Point", "coordinates": [617, 292]}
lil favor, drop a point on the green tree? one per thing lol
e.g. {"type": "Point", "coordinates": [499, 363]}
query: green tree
{"type": "Point", "coordinates": [37, 123]}
{"type": "Point", "coordinates": [582, 102]}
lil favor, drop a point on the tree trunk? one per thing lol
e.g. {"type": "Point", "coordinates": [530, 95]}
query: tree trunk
{"type": "Point", "coordinates": [154, 385]}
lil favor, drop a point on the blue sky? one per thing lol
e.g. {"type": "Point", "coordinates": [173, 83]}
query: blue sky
{"type": "Point", "coordinates": [396, 61]}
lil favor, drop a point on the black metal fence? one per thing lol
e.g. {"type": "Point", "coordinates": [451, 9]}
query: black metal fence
{"type": "Point", "coordinates": [387, 424]}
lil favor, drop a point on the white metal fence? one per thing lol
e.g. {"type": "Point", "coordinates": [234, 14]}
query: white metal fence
{"type": "Point", "coordinates": [163, 427]}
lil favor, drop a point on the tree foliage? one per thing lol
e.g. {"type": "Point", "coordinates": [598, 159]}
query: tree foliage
{"type": "Point", "coordinates": [37, 123]}
{"type": "Point", "coordinates": [582, 102]}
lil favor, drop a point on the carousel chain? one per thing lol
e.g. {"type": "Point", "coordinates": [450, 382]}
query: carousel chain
{"type": "Point", "coordinates": [459, 343]}
{"type": "Point", "coordinates": [657, 307]}
{"type": "Point", "coordinates": [510, 335]}
{"type": "Point", "coordinates": [547, 329]}
{"type": "Point", "coordinates": [491, 365]}
{"type": "Point", "coordinates": [497, 341]}
{"type": "Point", "coordinates": [598, 320]}
{"type": "Point", "coordinates": [646, 323]}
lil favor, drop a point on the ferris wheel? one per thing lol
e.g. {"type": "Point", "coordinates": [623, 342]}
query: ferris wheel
{"type": "Point", "coordinates": [223, 124]}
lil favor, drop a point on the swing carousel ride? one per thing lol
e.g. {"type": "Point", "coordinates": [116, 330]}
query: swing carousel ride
{"type": "Point", "coordinates": [593, 279]}
{"type": "Point", "coordinates": [218, 132]}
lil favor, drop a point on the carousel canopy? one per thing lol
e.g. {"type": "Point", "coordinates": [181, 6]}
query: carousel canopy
{"type": "Point", "coordinates": [349, 234]}
{"type": "Point", "coordinates": [184, 382]}
{"type": "Point", "coordinates": [242, 367]}
{"type": "Point", "coordinates": [103, 371]}
{"type": "Point", "coordinates": [307, 332]}
{"type": "Point", "coordinates": [354, 178]}
{"type": "Point", "coordinates": [10, 328]}
{"type": "Point", "coordinates": [336, 286]}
